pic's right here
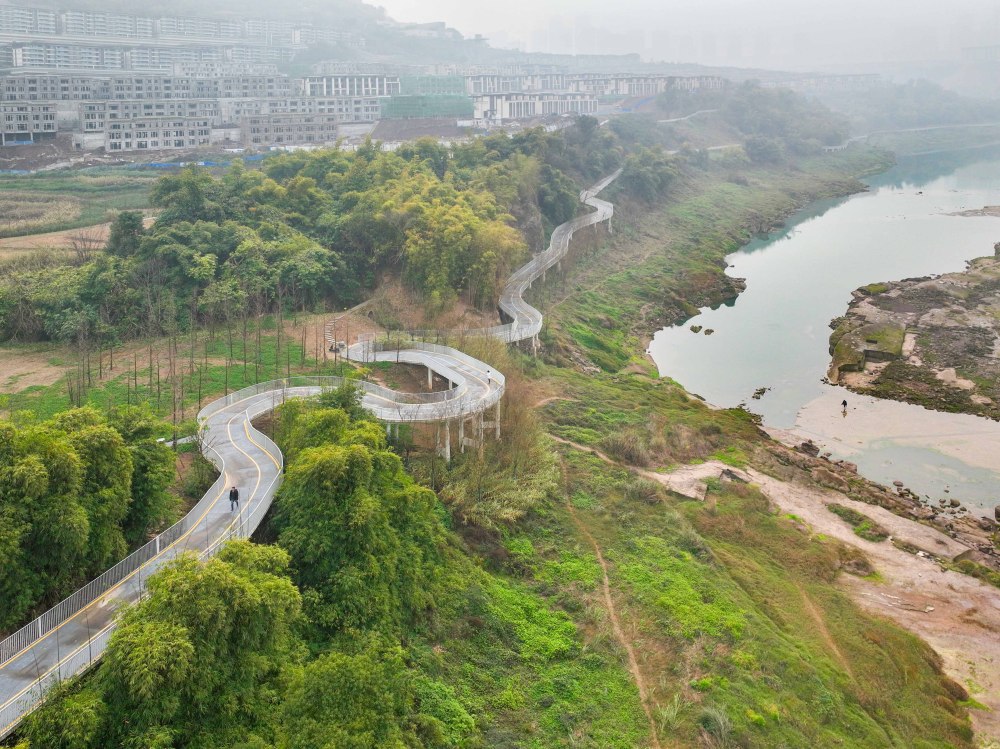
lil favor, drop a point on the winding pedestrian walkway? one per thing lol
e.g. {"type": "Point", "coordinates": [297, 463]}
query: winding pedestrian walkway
{"type": "Point", "coordinates": [69, 638]}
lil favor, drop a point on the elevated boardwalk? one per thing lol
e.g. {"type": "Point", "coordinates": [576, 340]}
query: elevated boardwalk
{"type": "Point", "coordinates": [70, 637]}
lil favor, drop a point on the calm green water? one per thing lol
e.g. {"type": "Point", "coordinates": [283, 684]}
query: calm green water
{"type": "Point", "coordinates": [776, 334]}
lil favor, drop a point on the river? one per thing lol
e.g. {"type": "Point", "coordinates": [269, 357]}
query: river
{"type": "Point", "coordinates": [776, 334]}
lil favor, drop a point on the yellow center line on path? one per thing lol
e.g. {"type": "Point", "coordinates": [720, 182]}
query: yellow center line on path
{"type": "Point", "coordinates": [208, 509]}
{"type": "Point", "coordinates": [115, 587]}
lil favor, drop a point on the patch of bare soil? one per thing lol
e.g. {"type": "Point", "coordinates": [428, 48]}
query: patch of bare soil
{"type": "Point", "coordinates": [395, 306]}
{"type": "Point", "coordinates": [85, 237]}
{"type": "Point", "coordinates": [20, 370]}
{"type": "Point", "coordinates": [957, 615]}
{"type": "Point", "coordinates": [989, 210]}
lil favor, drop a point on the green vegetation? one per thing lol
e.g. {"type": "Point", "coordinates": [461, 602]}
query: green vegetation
{"type": "Point", "coordinates": [662, 272]}
{"type": "Point", "coordinates": [776, 124]}
{"type": "Point", "coordinates": [311, 231]}
{"type": "Point", "coordinates": [395, 636]}
{"type": "Point", "coordinates": [543, 597]}
{"type": "Point", "coordinates": [863, 525]}
{"type": "Point", "coordinates": [918, 103]}
{"type": "Point", "coordinates": [174, 377]}
{"type": "Point", "coordinates": [36, 203]}
{"type": "Point", "coordinates": [76, 492]}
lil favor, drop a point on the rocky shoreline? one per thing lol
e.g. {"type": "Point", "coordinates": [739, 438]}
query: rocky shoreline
{"type": "Point", "coordinates": [933, 341]}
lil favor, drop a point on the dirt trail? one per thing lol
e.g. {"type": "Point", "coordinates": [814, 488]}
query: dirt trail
{"type": "Point", "coordinates": [817, 617]}
{"type": "Point", "coordinates": [955, 614]}
{"type": "Point", "coordinates": [688, 481]}
{"type": "Point", "coordinates": [616, 625]}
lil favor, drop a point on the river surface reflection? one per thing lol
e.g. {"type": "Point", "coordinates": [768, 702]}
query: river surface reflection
{"type": "Point", "coordinates": [776, 333]}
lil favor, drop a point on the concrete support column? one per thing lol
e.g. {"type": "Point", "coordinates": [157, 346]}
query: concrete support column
{"type": "Point", "coordinates": [430, 378]}
{"type": "Point", "coordinates": [447, 442]}
{"type": "Point", "coordinates": [497, 436]}
{"type": "Point", "coordinates": [388, 429]}
{"type": "Point", "coordinates": [461, 434]}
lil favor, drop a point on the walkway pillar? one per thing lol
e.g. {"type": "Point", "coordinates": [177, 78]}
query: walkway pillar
{"type": "Point", "coordinates": [461, 434]}
{"type": "Point", "coordinates": [498, 421]}
{"type": "Point", "coordinates": [430, 378]}
{"type": "Point", "coordinates": [447, 442]}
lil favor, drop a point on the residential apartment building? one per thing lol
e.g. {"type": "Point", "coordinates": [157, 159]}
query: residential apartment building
{"type": "Point", "coordinates": [17, 20]}
{"type": "Point", "coordinates": [497, 108]}
{"type": "Point", "coordinates": [83, 23]}
{"type": "Point", "coordinates": [631, 85]}
{"type": "Point", "coordinates": [289, 129]}
{"type": "Point", "coordinates": [157, 134]}
{"type": "Point", "coordinates": [21, 121]}
{"type": "Point", "coordinates": [351, 85]}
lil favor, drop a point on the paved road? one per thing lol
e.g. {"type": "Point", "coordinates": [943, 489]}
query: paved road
{"type": "Point", "coordinates": [72, 636]}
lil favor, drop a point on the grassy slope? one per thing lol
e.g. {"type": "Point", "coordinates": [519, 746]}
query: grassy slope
{"type": "Point", "coordinates": [741, 635]}
{"type": "Point", "coordinates": [666, 264]}
{"type": "Point", "coordinates": [722, 607]}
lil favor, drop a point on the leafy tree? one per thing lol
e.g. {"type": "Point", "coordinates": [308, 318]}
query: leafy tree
{"type": "Point", "coordinates": [763, 150]}
{"type": "Point", "coordinates": [363, 538]}
{"type": "Point", "coordinates": [126, 232]}
{"type": "Point", "coordinates": [199, 662]}
{"type": "Point", "coordinates": [75, 491]}
{"type": "Point", "coordinates": [359, 699]}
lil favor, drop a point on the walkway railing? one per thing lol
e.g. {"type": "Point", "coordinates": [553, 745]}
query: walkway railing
{"type": "Point", "coordinates": [433, 406]}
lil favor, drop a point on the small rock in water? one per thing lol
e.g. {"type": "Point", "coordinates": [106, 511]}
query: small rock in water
{"type": "Point", "coordinates": [898, 484]}
{"type": "Point", "coordinates": [955, 503]}
{"type": "Point", "coordinates": [709, 331]}
{"type": "Point", "coordinates": [695, 328]}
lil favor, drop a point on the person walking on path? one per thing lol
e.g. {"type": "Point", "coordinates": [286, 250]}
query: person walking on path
{"type": "Point", "coordinates": [234, 499]}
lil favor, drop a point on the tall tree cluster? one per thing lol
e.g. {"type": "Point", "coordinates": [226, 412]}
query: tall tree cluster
{"type": "Point", "coordinates": [300, 645]}
{"type": "Point", "coordinates": [311, 231]}
{"type": "Point", "coordinates": [76, 492]}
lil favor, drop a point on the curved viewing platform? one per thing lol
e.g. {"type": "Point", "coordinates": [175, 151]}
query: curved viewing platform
{"type": "Point", "coordinates": [70, 637]}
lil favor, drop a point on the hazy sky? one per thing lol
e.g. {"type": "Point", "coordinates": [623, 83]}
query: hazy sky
{"type": "Point", "coordinates": [793, 34]}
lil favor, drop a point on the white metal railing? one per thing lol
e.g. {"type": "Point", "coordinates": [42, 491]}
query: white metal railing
{"type": "Point", "coordinates": [526, 322]}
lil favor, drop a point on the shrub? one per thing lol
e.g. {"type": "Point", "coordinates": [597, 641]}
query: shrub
{"type": "Point", "coordinates": [627, 446]}
{"type": "Point", "coordinates": [863, 525]}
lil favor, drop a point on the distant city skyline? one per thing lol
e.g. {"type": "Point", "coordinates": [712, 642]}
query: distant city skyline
{"type": "Point", "coordinates": [747, 33]}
